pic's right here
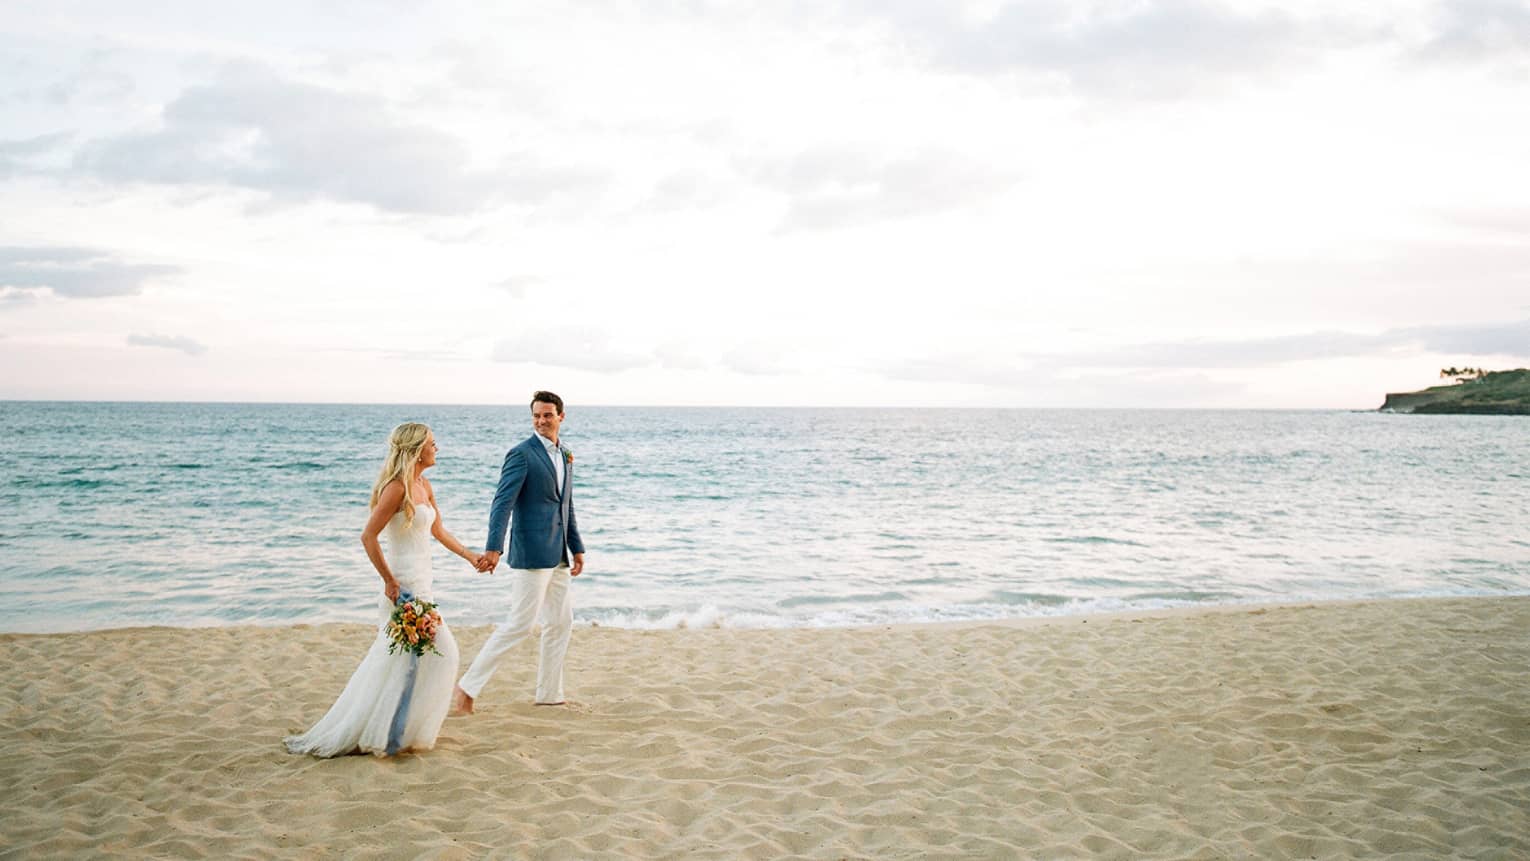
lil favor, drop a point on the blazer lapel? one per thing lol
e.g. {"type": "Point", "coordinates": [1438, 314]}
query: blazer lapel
{"type": "Point", "coordinates": [546, 459]}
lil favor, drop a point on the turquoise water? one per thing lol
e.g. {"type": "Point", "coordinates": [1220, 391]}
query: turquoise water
{"type": "Point", "coordinates": [123, 514]}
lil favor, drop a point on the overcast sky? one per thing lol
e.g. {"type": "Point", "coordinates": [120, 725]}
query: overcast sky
{"type": "Point", "coordinates": [868, 202]}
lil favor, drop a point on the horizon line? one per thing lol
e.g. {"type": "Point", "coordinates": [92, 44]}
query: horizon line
{"type": "Point", "coordinates": [672, 406]}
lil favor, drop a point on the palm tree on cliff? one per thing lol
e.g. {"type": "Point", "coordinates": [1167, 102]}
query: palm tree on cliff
{"type": "Point", "coordinates": [1461, 375]}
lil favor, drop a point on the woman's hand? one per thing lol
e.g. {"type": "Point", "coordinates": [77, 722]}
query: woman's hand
{"type": "Point", "coordinates": [391, 589]}
{"type": "Point", "coordinates": [476, 562]}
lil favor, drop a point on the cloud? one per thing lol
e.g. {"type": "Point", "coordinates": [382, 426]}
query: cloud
{"type": "Point", "coordinates": [1467, 30]}
{"type": "Point", "coordinates": [1389, 282]}
{"type": "Point", "coordinates": [574, 348]}
{"type": "Point", "coordinates": [1171, 48]}
{"type": "Point", "coordinates": [41, 71]}
{"type": "Point", "coordinates": [31, 146]}
{"type": "Point", "coordinates": [1233, 353]}
{"type": "Point", "coordinates": [1166, 373]}
{"type": "Point", "coordinates": [1157, 48]}
{"type": "Point", "coordinates": [10, 297]}
{"type": "Point", "coordinates": [1497, 339]}
{"type": "Point", "coordinates": [170, 342]}
{"type": "Point", "coordinates": [300, 142]}
{"type": "Point", "coordinates": [1503, 339]}
{"type": "Point", "coordinates": [16, 155]}
{"type": "Point", "coordinates": [93, 81]}
{"type": "Point", "coordinates": [1047, 385]}
{"type": "Point", "coordinates": [838, 187]}
{"type": "Point", "coordinates": [76, 273]}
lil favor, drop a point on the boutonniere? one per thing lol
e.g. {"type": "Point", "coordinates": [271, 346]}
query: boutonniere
{"type": "Point", "coordinates": [568, 456]}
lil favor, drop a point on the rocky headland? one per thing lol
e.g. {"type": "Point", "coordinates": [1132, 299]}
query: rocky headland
{"type": "Point", "coordinates": [1493, 393]}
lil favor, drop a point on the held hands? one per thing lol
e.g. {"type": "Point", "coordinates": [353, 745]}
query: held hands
{"type": "Point", "coordinates": [486, 563]}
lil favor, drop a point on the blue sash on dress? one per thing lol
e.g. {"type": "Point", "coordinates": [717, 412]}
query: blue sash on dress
{"type": "Point", "coordinates": [401, 714]}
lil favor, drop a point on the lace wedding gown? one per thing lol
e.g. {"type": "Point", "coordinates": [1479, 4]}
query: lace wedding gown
{"type": "Point", "coordinates": [392, 702]}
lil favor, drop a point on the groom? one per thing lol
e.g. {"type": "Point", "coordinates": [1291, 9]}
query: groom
{"type": "Point", "coordinates": [536, 489]}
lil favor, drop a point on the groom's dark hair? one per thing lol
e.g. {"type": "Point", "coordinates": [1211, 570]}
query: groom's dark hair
{"type": "Point", "coordinates": [547, 398]}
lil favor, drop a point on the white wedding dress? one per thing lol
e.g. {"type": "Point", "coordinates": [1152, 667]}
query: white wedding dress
{"type": "Point", "coordinates": [393, 702]}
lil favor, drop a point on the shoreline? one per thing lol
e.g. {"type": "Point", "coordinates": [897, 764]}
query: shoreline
{"type": "Point", "coordinates": [1335, 729]}
{"type": "Point", "coordinates": [1004, 621]}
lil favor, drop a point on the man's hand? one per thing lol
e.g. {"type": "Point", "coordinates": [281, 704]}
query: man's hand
{"type": "Point", "coordinates": [578, 565]}
{"type": "Point", "coordinates": [488, 561]}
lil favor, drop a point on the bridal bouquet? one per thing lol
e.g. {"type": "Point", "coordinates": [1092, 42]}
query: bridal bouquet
{"type": "Point", "coordinates": [413, 625]}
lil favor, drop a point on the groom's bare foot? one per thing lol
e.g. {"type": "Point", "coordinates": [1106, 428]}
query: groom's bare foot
{"type": "Point", "coordinates": [462, 704]}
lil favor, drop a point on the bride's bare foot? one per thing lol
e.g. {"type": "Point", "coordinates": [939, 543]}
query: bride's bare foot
{"type": "Point", "coordinates": [462, 704]}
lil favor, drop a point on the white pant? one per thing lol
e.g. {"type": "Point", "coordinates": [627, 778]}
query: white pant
{"type": "Point", "coordinates": [531, 589]}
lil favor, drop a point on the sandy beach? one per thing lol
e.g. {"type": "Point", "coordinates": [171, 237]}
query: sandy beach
{"type": "Point", "coordinates": [1397, 729]}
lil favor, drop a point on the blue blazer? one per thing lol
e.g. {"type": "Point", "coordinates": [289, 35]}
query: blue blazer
{"type": "Point", "coordinates": [543, 529]}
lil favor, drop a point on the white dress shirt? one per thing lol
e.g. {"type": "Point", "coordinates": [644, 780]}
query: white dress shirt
{"type": "Point", "coordinates": [557, 459]}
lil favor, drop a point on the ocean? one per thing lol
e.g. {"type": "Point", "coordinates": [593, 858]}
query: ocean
{"type": "Point", "coordinates": [202, 514]}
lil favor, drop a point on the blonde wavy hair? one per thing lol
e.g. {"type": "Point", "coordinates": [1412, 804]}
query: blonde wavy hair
{"type": "Point", "coordinates": [404, 446]}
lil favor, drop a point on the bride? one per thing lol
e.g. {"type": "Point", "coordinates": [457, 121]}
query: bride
{"type": "Point", "coordinates": [396, 703]}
